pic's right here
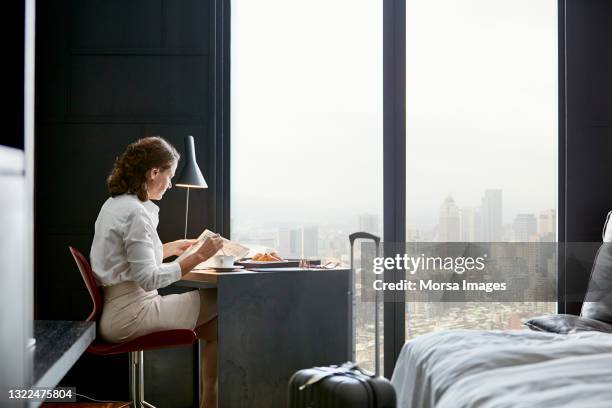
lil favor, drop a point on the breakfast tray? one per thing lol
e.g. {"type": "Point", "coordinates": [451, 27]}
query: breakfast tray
{"type": "Point", "coordinates": [287, 263]}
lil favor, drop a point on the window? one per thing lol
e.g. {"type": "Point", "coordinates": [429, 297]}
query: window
{"type": "Point", "coordinates": [306, 131]}
{"type": "Point", "coordinates": [481, 137]}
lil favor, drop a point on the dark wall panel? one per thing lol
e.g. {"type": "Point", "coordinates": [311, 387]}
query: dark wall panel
{"type": "Point", "coordinates": [588, 114]}
{"type": "Point", "coordinates": [125, 86]}
{"type": "Point", "coordinates": [61, 294]}
{"type": "Point", "coordinates": [115, 24]}
{"type": "Point", "coordinates": [73, 162]}
{"type": "Point", "coordinates": [52, 55]}
{"type": "Point", "coordinates": [139, 26]}
{"type": "Point", "coordinates": [589, 63]}
{"type": "Point", "coordinates": [588, 181]}
{"type": "Point", "coordinates": [184, 29]}
{"type": "Point", "coordinates": [108, 73]}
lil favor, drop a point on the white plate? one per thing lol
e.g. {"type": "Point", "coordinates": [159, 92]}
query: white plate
{"type": "Point", "coordinates": [233, 268]}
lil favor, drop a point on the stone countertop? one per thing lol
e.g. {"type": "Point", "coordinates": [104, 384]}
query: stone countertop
{"type": "Point", "coordinates": [59, 344]}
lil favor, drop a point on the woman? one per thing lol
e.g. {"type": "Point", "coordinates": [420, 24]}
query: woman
{"type": "Point", "coordinates": [127, 255]}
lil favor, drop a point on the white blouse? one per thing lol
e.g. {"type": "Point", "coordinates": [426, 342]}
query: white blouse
{"type": "Point", "coordinates": [126, 246]}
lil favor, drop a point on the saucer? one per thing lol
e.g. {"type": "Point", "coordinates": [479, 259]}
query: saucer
{"type": "Point", "coordinates": [233, 268]}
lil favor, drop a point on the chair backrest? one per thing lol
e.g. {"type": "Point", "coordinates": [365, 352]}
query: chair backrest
{"type": "Point", "coordinates": [90, 282]}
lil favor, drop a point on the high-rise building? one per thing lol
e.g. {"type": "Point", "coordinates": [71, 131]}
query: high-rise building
{"type": "Point", "coordinates": [525, 227]}
{"type": "Point", "coordinates": [507, 233]}
{"type": "Point", "coordinates": [448, 227]}
{"type": "Point", "coordinates": [310, 241]}
{"type": "Point", "coordinates": [368, 223]}
{"type": "Point", "coordinates": [491, 215]}
{"type": "Point", "coordinates": [290, 242]}
{"type": "Point", "coordinates": [413, 234]}
{"type": "Point", "coordinates": [469, 224]}
{"type": "Point", "coordinates": [299, 242]}
{"type": "Point", "coordinates": [547, 225]}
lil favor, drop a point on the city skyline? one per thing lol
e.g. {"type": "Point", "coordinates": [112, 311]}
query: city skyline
{"type": "Point", "coordinates": [455, 224]}
{"type": "Point", "coordinates": [484, 223]}
{"type": "Point", "coordinates": [421, 317]}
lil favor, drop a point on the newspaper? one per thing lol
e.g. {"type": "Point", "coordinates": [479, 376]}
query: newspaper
{"type": "Point", "coordinates": [228, 248]}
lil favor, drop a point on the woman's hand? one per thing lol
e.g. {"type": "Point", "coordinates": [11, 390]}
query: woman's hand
{"type": "Point", "coordinates": [204, 252]}
{"type": "Point", "coordinates": [177, 247]}
{"type": "Point", "coordinates": [210, 247]}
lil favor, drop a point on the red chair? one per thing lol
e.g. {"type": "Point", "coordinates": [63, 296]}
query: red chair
{"type": "Point", "coordinates": [156, 340]}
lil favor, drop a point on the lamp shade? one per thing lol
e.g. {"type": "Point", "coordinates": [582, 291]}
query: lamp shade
{"type": "Point", "coordinates": [191, 176]}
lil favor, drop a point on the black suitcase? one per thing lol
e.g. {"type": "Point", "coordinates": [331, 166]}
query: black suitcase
{"type": "Point", "coordinates": [345, 386]}
{"type": "Point", "coordinates": [339, 387]}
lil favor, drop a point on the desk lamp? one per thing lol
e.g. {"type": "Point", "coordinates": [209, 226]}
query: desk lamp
{"type": "Point", "coordinates": [191, 176]}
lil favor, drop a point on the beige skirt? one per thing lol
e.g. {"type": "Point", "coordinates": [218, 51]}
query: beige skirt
{"type": "Point", "coordinates": [129, 311]}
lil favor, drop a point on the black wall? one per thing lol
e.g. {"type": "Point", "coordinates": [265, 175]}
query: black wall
{"type": "Point", "coordinates": [13, 30]}
{"type": "Point", "coordinates": [108, 73]}
{"type": "Point", "coordinates": [587, 151]}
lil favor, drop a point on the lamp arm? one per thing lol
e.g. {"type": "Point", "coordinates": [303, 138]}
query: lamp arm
{"type": "Point", "coordinates": [186, 211]}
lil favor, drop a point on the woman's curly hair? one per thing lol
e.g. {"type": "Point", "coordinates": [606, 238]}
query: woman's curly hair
{"type": "Point", "coordinates": [129, 171]}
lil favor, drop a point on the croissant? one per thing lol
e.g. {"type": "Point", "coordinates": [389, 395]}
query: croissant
{"type": "Point", "coordinates": [267, 257]}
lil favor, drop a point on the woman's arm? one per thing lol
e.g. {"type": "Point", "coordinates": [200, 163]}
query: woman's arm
{"type": "Point", "coordinates": [139, 237]}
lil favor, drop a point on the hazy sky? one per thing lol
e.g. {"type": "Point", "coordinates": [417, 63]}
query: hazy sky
{"type": "Point", "coordinates": [481, 103]}
{"type": "Point", "coordinates": [307, 106]}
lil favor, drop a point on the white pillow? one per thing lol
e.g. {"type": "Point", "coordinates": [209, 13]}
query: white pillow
{"type": "Point", "coordinates": [607, 230]}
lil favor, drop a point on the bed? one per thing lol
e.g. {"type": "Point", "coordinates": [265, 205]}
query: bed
{"type": "Point", "coordinates": [518, 368]}
{"type": "Point", "coordinates": [564, 361]}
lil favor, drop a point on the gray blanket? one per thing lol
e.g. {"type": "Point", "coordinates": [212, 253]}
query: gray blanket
{"type": "Point", "coordinates": [519, 368]}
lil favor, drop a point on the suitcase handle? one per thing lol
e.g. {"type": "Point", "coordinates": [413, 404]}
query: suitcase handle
{"type": "Point", "coordinates": [365, 235]}
{"type": "Point", "coordinates": [352, 333]}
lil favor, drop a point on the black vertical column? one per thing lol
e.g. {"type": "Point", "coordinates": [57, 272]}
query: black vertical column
{"type": "Point", "coordinates": [394, 164]}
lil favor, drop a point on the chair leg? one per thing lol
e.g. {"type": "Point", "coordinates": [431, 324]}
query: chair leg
{"type": "Point", "coordinates": [137, 380]}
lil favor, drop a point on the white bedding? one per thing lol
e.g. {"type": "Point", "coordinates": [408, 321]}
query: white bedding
{"type": "Point", "coordinates": [519, 368]}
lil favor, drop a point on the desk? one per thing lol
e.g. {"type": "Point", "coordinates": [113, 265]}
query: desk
{"type": "Point", "coordinates": [272, 324]}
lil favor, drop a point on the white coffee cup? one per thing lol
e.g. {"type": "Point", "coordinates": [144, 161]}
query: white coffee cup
{"type": "Point", "coordinates": [222, 261]}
